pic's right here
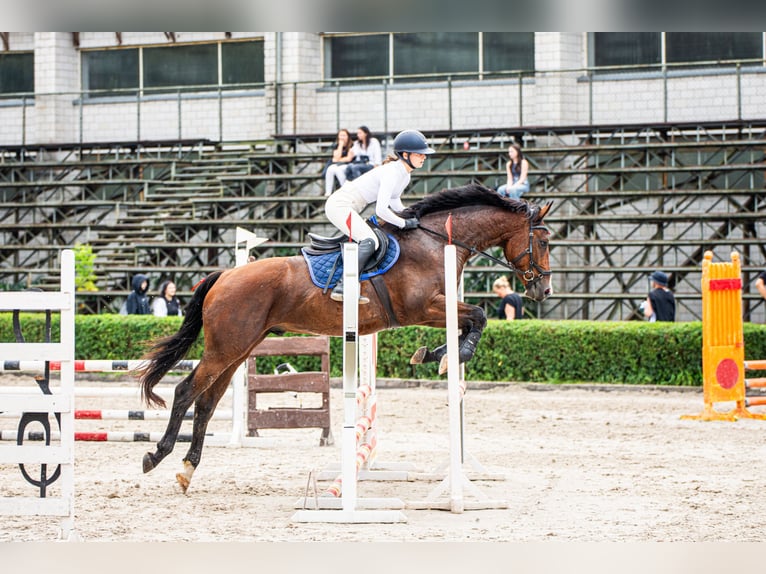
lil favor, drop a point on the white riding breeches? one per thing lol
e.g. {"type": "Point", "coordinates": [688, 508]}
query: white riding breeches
{"type": "Point", "coordinates": [347, 201]}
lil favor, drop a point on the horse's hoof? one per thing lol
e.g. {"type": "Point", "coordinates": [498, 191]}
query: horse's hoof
{"type": "Point", "coordinates": [443, 365]}
{"type": "Point", "coordinates": [418, 356]}
{"type": "Point", "coordinates": [182, 481]}
{"type": "Point", "coordinates": [148, 462]}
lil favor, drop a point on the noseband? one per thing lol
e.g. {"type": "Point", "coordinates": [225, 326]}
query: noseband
{"type": "Point", "coordinates": [529, 277]}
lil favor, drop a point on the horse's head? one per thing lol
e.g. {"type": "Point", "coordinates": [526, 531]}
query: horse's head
{"type": "Point", "coordinates": [530, 257]}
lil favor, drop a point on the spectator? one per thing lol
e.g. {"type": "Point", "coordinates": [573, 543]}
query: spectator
{"type": "Point", "coordinates": [511, 306]}
{"type": "Point", "coordinates": [367, 154]}
{"type": "Point", "coordinates": [166, 304]}
{"type": "Point", "coordinates": [517, 169]}
{"type": "Point", "coordinates": [336, 166]}
{"type": "Point", "coordinates": [760, 284]}
{"type": "Point", "coordinates": [660, 305]}
{"type": "Point", "coordinates": [138, 301]}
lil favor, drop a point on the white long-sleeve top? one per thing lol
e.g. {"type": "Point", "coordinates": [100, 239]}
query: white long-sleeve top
{"type": "Point", "coordinates": [384, 186]}
{"type": "Point", "coordinates": [373, 151]}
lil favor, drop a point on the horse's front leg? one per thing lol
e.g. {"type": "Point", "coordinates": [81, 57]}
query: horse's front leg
{"type": "Point", "coordinates": [204, 407]}
{"type": "Point", "coordinates": [473, 319]}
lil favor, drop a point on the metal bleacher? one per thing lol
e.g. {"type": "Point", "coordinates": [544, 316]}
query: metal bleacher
{"type": "Point", "coordinates": [627, 200]}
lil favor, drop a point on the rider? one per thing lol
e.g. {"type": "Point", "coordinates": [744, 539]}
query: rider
{"type": "Point", "coordinates": [382, 186]}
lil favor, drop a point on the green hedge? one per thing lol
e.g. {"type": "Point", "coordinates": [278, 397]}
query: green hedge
{"type": "Point", "coordinates": [547, 351]}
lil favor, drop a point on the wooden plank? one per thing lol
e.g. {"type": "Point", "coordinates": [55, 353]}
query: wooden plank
{"type": "Point", "coordinates": [306, 382]}
{"type": "Point", "coordinates": [275, 346]}
{"type": "Point", "coordinates": [284, 418]}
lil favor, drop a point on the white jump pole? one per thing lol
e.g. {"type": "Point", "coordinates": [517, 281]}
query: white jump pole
{"type": "Point", "coordinates": [453, 381]}
{"type": "Point", "coordinates": [350, 372]}
{"type": "Point", "coordinates": [245, 241]}
{"type": "Point", "coordinates": [456, 481]}
{"type": "Point", "coordinates": [352, 508]}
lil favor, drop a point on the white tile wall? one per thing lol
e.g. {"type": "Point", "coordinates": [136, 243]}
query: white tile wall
{"type": "Point", "coordinates": [551, 98]}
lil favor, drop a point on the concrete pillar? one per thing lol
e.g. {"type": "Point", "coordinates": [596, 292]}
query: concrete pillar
{"type": "Point", "coordinates": [556, 92]}
{"type": "Point", "coordinates": [57, 83]}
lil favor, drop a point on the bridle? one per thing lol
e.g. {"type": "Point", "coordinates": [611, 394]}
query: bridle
{"type": "Point", "coordinates": [529, 277]}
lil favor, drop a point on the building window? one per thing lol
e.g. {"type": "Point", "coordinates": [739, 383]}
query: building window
{"type": "Point", "coordinates": [712, 46]}
{"type": "Point", "coordinates": [191, 67]}
{"type": "Point", "coordinates": [627, 48]}
{"type": "Point", "coordinates": [110, 72]}
{"type": "Point", "coordinates": [439, 53]}
{"type": "Point", "coordinates": [17, 74]}
{"type": "Point", "coordinates": [167, 69]}
{"type": "Point", "coordinates": [242, 63]}
{"type": "Point", "coordinates": [504, 51]}
{"type": "Point", "coordinates": [356, 56]}
{"type": "Point", "coordinates": [427, 55]}
{"type": "Point", "coordinates": [645, 48]}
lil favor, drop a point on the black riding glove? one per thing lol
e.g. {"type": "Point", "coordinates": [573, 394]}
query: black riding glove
{"type": "Point", "coordinates": [411, 223]}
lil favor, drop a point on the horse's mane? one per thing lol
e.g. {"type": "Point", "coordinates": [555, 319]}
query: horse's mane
{"type": "Point", "coordinates": [465, 196]}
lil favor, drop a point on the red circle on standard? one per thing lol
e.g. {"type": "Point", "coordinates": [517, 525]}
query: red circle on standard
{"type": "Point", "coordinates": [727, 373]}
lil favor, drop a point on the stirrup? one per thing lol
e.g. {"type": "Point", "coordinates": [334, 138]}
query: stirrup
{"type": "Point", "coordinates": [337, 295]}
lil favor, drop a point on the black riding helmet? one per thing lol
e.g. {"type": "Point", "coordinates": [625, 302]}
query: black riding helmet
{"type": "Point", "coordinates": [411, 141]}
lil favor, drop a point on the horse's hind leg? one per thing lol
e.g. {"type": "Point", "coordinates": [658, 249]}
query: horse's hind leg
{"type": "Point", "coordinates": [204, 407]}
{"type": "Point", "coordinates": [182, 400]}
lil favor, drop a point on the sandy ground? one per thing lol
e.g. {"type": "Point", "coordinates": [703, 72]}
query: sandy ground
{"type": "Point", "coordinates": [579, 464]}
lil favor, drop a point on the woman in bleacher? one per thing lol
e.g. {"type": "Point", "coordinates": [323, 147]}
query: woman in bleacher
{"type": "Point", "coordinates": [367, 154]}
{"type": "Point", "coordinates": [382, 186]}
{"type": "Point", "coordinates": [341, 156]}
{"type": "Point", "coordinates": [166, 303]}
{"type": "Point", "coordinates": [517, 169]}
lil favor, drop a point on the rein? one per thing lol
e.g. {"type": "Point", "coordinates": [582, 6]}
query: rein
{"type": "Point", "coordinates": [528, 276]}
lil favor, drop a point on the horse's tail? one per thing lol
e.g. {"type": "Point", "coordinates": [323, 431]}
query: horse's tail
{"type": "Point", "coordinates": [167, 351]}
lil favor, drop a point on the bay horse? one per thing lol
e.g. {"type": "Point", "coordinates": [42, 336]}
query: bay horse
{"type": "Point", "coordinates": [239, 307]}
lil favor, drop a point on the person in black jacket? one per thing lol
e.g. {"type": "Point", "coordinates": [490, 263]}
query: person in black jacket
{"type": "Point", "coordinates": [138, 301]}
{"type": "Point", "coordinates": [660, 305]}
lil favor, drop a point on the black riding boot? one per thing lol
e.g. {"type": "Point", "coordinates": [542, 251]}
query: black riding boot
{"type": "Point", "coordinates": [365, 253]}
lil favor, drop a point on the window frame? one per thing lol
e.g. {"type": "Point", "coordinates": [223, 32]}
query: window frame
{"type": "Point", "coordinates": [20, 95]}
{"type": "Point", "coordinates": [670, 68]}
{"type": "Point", "coordinates": [479, 74]}
{"type": "Point", "coordinates": [202, 90]}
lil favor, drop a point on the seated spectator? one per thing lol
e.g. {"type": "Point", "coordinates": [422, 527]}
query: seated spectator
{"type": "Point", "coordinates": [166, 304]}
{"type": "Point", "coordinates": [367, 154]}
{"type": "Point", "coordinates": [336, 166]}
{"type": "Point", "coordinates": [517, 169]}
{"type": "Point", "coordinates": [138, 302]}
{"type": "Point", "coordinates": [511, 307]}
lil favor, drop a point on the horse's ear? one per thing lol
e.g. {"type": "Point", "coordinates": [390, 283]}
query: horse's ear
{"type": "Point", "coordinates": [544, 210]}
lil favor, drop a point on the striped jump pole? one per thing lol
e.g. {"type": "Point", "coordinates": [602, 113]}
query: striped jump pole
{"type": "Point", "coordinates": [215, 439]}
{"type": "Point", "coordinates": [723, 341]}
{"type": "Point", "coordinates": [371, 468]}
{"type": "Point", "coordinates": [349, 508]}
{"type": "Point", "coordinates": [89, 366]}
{"type": "Point", "coordinates": [128, 415]}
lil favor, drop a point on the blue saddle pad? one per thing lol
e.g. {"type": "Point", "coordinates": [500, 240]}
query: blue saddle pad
{"type": "Point", "coordinates": [320, 266]}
